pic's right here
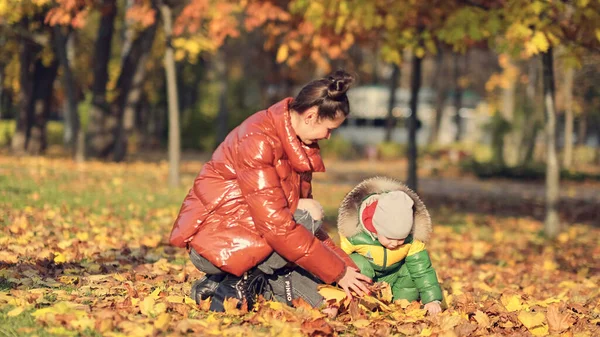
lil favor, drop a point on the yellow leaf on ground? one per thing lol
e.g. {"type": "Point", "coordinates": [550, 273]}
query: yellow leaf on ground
{"type": "Point", "coordinates": [540, 331]}
{"type": "Point", "coordinates": [426, 332]}
{"type": "Point", "coordinates": [83, 236]}
{"type": "Point", "coordinates": [332, 293]}
{"type": "Point", "coordinates": [361, 323]}
{"type": "Point", "coordinates": [531, 319]}
{"type": "Point", "coordinates": [512, 303]}
{"type": "Point", "coordinates": [83, 323]}
{"type": "Point", "coordinates": [119, 277]}
{"type": "Point", "coordinates": [162, 321]}
{"type": "Point", "coordinates": [482, 319]}
{"type": "Point", "coordinates": [15, 312]}
{"type": "Point", "coordinates": [175, 299]}
{"type": "Point", "coordinates": [147, 306]}
{"type": "Point", "coordinates": [59, 258]}
{"type": "Point", "coordinates": [8, 257]}
{"type": "Point", "coordinates": [156, 293]}
{"type": "Point", "coordinates": [550, 265]}
{"type": "Point", "coordinates": [277, 306]}
{"type": "Point", "coordinates": [449, 322]}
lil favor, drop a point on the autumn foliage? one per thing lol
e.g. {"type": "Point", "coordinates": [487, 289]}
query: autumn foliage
{"type": "Point", "coordinates": [83, 250]}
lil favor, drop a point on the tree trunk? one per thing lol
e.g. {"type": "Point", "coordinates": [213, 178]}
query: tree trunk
{"type": "Point", "coordinates": [97, 138]}
{"type": "Point", "coordinates": [552, 222]}
{"type": "Point", "coordinates": [23, 117]}
{"type": "Point", "coordinates": [415, 86]}
{"type": "Point", "coordinates": [441, 91]}
{"type": "Point", "coordinates": [63, 41]}
{"type": "Point", "coordinates": [1, 89]}
{"type": "Point", "coordinates": [582, 132]}
{"type": "Point", "coordinates": [458, 93]}
{"type": "Point", "coordinates": [174, 130]}
{"type": "Point", "coordinates": [40, 106]}
{"type": "Point", "coordinates": [568, 151]}
{"type": "Point", "coordinates": [223, 112]}
{"type": "Point", "coordinates": [390, 123]}
{"type": "Point", "coordinates": [532, 122]}
{"type": "Point", "coordinates": [129, 87]}
{"type": "Point", "coordinates": [510, 150]}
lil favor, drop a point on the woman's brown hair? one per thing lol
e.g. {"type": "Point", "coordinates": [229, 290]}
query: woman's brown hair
{"type": "Point", "coordinates": [328, 93]}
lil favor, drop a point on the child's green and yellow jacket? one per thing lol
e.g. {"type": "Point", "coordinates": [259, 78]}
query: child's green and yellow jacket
{"type": "Point", "coordinates": [407, 268]}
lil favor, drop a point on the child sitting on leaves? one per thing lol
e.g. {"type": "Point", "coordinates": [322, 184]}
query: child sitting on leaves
{"type": "Point", "coordinates": [383, 226]}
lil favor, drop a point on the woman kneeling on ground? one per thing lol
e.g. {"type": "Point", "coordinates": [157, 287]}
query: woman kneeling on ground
{"type": "Point", "coordinates": [249, 221]}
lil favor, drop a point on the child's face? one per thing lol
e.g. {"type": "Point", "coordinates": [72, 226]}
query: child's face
{"type": "Point", "coordinates": [389, 243]}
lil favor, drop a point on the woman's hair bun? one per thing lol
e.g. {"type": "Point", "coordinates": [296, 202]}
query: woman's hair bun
{"type": "Point", "coordinates": [340, 82]}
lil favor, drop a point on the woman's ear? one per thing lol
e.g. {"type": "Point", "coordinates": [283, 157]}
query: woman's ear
{"type": "Point", "coordinates": [311, 114]}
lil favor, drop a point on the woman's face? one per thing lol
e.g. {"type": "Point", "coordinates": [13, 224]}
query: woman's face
{"type": "Point", "coordinates": [311, 129]}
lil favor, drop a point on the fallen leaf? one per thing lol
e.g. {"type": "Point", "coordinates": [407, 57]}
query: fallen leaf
{"type": "Point", "coordinates": [317, 327]}
{"type": "Point", "coordinates": [512, 303]}
{"type": "Point", "coordinates": [558, 321]}
{"type": "Point", "coordinates": [162, 321]}
{"type": "Point", "coordinates": [531, 319]}
{"type": "Point", "coordinates": [482, 319]}
{"type": "Point", "coordinates": [15, 312]}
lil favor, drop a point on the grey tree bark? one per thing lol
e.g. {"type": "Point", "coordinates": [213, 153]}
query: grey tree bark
{"type": "Point", "coordinates": [568, 87]}
{"type": "Point", "coordinates": [511, 147]}
{"type": "Point", "coordinates": [64, 42]}
{"type": "Point", "coordinates": [415, 86]}
{"type": "Point", "coordinates": [552, 222]}
{"type": "Point", "coordinates": [174, 129]}
{"type": "Point", "coordinates": [97, 136]}
{"type": "Point", "coordinates": [39, 109]}
{"type": "Point", "coordinates": [223, 112]}
{"type": "Point", "coordinates": [441, 92]}
{"type": "Point", "coordinates": [535, 118]}
{"type": "Point", "coordinates": [458, 93]}
{"type": "Point", "coordinates": [390, 122]}
{"type": "Point", "coordinates": [129, 88]}
{"type": "Point", "coordinates": [23, 118]}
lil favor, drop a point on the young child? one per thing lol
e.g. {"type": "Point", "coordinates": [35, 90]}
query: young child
{"type": "Point", "coordinates": [383, 226]}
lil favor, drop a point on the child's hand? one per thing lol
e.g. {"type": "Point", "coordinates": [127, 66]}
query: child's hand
{"type": "Point", "coordinates": [433, 308]}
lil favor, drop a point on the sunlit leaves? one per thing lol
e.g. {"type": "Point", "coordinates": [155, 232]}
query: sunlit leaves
{"type": "Point", "coordinates": [119, 278]}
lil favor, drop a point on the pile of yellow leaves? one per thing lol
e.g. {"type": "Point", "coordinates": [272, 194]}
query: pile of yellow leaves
{"type": "Point", "coordinates": [106, 269]}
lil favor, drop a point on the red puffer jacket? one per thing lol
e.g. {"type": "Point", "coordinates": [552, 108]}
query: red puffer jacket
{"type": "Point", "coordinates": [241, 205]}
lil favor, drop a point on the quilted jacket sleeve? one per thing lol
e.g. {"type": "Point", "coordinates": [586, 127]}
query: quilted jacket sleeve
{"type": "Point", "coordinates": [327, 241]}
{"type": "Point", "coordinates": [422, 273]}
{"type": "Point", "coordinates": [261, 188]}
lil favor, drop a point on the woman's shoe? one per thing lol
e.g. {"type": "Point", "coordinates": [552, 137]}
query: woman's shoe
{"type": "Point", "coordinates": [245, 289]}
{"type": "Point", "coordinates": [205, 287]}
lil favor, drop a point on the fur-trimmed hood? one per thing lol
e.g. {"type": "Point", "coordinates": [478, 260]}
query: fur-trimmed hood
{"type": "Point", "coordinates": [348, 217]}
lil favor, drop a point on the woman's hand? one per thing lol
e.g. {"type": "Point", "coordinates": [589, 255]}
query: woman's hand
{"type": "Point", "coordinates": [433, 308]}
{"type": "Point", "coordinates": [355, 281]}
{"type": "Point", "coordinates": [313, 207]}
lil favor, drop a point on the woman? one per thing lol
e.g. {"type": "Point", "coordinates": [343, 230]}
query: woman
{"type": "Point", "coordinates": [249, 218]}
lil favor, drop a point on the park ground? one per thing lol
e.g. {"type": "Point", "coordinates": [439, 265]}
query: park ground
{"type": "Point", "coordinates": [84, 252]}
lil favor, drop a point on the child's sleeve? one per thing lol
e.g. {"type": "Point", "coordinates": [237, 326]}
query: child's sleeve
{"type": "Point", "coordinates": [346, 245]}
{"type": "Point", "coordinates": [420, 268]}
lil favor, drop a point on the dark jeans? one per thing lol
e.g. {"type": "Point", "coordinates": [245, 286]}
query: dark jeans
{"type": "Point", "coordinates": [304, 284]}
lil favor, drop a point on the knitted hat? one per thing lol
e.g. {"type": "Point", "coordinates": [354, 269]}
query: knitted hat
{"type": "Point", "coordinates": [389, 214]}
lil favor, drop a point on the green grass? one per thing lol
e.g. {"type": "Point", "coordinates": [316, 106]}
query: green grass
{"type": "Point", "coordinates": [124, 193]}
{"type": "Point", "coordinates": [21, 325]}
